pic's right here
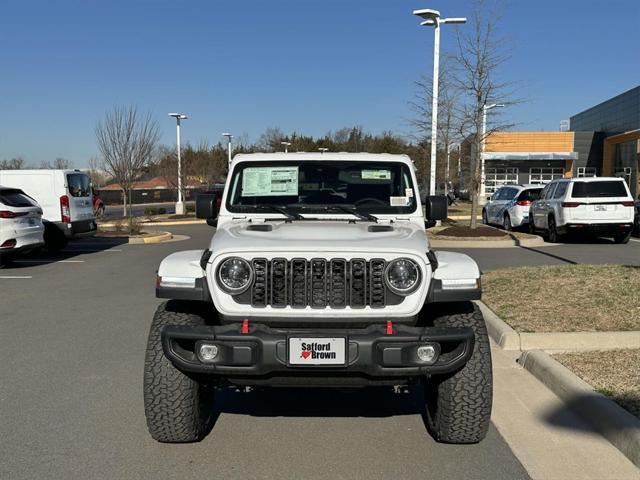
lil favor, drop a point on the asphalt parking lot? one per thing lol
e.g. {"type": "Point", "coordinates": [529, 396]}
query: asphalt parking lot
{"type": "Point", "coordinates": [74, 327]}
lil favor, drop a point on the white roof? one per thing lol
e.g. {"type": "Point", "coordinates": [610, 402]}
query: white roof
{"type": "Point", "coordinates": [328, 156]}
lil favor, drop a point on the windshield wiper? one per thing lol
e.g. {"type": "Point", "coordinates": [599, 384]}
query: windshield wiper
{"type": "Point", "coordinates": [353, 211]}
{"type": "Point", "coordinates": [283, 210]}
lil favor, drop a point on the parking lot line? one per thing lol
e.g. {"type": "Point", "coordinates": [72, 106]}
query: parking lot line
{"type": "Point", "coordinates": [635, 240]}
{"type": "Point", "coordinates": [14, 277]}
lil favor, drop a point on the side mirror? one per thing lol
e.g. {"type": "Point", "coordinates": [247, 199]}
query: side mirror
{"type": "Point", "coordinates": [207, 208]}
{"type": "Point", "coordinates": [436, 207]}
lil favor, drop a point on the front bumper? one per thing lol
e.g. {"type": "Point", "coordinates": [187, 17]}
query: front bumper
{"type": "Point", "coordinates": [371, 352]}
{"type": "Point", "coordinates": [598, 228]}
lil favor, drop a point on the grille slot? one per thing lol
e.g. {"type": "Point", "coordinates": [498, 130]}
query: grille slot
{"type": "Point", "coordinates": [338, 283]}
{"type": "Point", "coordinates": [376, 288]}
{"type": "Point", "coordinates": [279, 282]}
{"type": "Point", "coordinates": [319, 283]}
{"type": "Point", "coordinates": [259, 289]}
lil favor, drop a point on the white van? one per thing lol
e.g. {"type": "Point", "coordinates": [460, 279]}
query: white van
{"type": "Point", "coordinates": [66, 201]}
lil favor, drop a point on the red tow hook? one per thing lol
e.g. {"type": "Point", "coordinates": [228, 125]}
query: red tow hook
{"type": "Point", "coordinates": [389, 327]}
{"type": "Point", "coordinates": [245, 327]}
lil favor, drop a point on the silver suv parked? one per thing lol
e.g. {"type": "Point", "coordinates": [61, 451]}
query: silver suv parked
{"type": "Point", "coordinates": [598, 206]}
{"type": "Point", "coordinates": [509, 205]}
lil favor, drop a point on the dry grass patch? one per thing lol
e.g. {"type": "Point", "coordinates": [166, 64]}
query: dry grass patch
{"type": "Point", "coordinates": [615, 374]}
{"type": "Point", "coordinates": [565, 298]}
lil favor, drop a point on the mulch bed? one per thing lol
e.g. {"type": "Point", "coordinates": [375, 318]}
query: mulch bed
{"type": "Point", "coordinates": [468, 232]}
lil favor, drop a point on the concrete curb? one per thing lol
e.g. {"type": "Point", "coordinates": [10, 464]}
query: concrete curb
{"type": "Point", "coordinates": [614, 423]}
{"type": "Point", "coordinates": [511, 243]}
{"type": "Point", "coordinates": [161, 237]}
{"type": "Point", "coordinates": [509, 339]}
{"type": "Point", "coordinates": [501, 333]}
{"type": "Point", "coordinates": [156, 224]}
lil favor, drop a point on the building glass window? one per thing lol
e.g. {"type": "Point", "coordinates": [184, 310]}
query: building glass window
{"type": "Point", "coordinates": [587, 172]}
{"type": "Point", "coordinates": [496, 177]}
{"type": "Point", "coordinates": [541, 176]}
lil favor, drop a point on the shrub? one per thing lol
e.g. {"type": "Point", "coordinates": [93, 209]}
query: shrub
{"type": "Point", "coordinates": [162, 211]}
{"type": "Point", "coordinates": [191, 208]}
{"type": "Point", "coordinates": [150, 211]}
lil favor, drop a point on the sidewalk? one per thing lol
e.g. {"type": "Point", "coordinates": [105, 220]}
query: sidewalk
{"type": "Point", "coordinates": [550, 440]}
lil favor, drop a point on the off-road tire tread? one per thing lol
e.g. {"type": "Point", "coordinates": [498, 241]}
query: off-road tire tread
{"type": "Point", "coordinates": [464, 399]}
{"type": "Point", "coordinates": [177, 407]}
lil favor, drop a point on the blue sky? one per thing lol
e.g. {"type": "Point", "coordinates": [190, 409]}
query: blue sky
{"type": "Point", "coordinates": [308, 65]}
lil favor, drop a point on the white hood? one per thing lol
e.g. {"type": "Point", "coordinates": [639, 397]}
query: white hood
{"type": "Point", "coordinates": [320, 236]}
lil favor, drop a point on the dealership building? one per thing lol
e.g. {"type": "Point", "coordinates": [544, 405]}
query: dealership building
{"type": "Point", "coordinates": [603, 140]}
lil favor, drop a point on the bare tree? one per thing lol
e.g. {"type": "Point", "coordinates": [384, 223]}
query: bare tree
{"type": "Point", "coordinates": [480, 54]}
{"type": "Point", "coordinates": [16, 163]}
{"type": "Point", "coordinates": [126, 141]}
{"type": "Point", "coordinates": [58, 164]}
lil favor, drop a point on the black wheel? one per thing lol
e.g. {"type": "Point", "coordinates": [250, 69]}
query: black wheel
{"type": "Point", "coordinates": [622, 238]}
{"type": "Point", "coordinates": [54, 238]}
{"type": "Point", "coordinates": [506, 222]}
{"type": "Point", "coordinates": [459, 404]}
{"type": "Point", "coordinates": [552, 233]}
{"type": "Point", "coordinates": [532, 226]}
{"type": "Point", "coordinates": [485, 218]}
{"type": "Point", "coordinates": [178, 407]}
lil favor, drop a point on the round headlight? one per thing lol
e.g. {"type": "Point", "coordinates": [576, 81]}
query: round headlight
{"type": "Point", "coordinates": [402, 276]}
{"type": "Point", "coordinates": [235, 275]}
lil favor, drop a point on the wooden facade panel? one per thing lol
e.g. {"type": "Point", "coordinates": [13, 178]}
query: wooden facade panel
{"type": "Point", "coordinates": [530, 142]}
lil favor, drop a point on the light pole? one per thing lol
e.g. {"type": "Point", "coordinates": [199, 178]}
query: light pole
{"type": "Point", "coordinates": [286, 146]}
{"type": "Point", "coordinates": [432, 18]}
{"type": "Point", "coordinates": [179, 203]}
{"type": "Point", "coordinates": [483, 133]}
{"type": "Point", "coordinates": [446, 176]}
{"type": "Point", "coordinates": [229, 137]}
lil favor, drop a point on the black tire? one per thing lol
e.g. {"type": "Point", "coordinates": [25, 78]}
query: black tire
{"type": "Point", "coordinates": [178, 407]}
{"type": "Point", "coordinates": [622, 238]}
{"type": "Point", "coordinates": [54, 238]}
{"type": "Point", "coordinates": [485, 218]}
{"type": "Point", "coordinates": [552, 233]}
{"type": "Point", "coordinates": [458, 406]}
{"type": "Point", "coordinates": [506, 222]}
{"type": "Point", "coordinates": [532, 226]}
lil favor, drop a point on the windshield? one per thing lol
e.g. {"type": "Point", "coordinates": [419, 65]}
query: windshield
{"type": "Point", "coordinates": [322, 187]}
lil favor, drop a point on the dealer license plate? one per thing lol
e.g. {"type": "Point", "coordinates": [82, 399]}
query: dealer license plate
{"type": "Point", "coordinates": [317, 351]}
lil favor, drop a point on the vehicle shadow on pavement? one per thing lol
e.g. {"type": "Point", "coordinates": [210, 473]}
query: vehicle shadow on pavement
{"type": "Point", "coordinates": [572, 415]}
{"type": "Point", "coordinates": [322, 402]}
{"type": "Point", "coordinates": [73, 251]}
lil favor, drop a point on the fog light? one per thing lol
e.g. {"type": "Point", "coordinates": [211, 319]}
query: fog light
{"type": "Point", "coordinates": [426, 353]}
{"type": "Point", "coordinates": [207, 352]}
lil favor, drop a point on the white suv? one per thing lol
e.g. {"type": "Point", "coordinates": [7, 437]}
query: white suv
{"type": "Point", "coordinates": [509, 205]}
{"type": "Point", "coordinates": [600, 206]}
{"type": "Point", "coordinates": [21, 226]}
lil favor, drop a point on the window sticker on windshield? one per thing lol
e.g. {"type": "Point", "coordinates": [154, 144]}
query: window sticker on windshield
{"type": "Point", "coordinates": [376, 174]}
{"type": "Point", "coordinates": [269, 181]}
{"type": "Point", "coordinates": [408, 192]}
{"type": "Point", "coordinates": [398, 201]}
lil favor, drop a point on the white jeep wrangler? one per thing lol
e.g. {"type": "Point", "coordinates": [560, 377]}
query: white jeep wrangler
{"type": "Point", "coordinates": [319, 274]}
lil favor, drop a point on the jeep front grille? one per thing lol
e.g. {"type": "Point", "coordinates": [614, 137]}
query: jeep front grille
{"type": "Point", "coordinates": [319, 283]}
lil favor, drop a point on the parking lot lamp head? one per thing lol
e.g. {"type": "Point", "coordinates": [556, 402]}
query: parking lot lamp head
{"type": "Point", "coordinates": [431, 18]}
{"type": "Point", "coordinates": [179, 203]}
{"type": "Point", "coordinates": [286, 146]}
